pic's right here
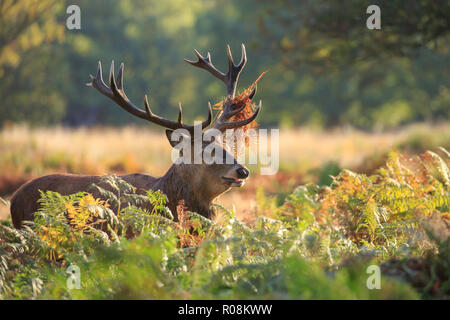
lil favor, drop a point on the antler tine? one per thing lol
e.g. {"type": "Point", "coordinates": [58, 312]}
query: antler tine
{"type": "Point", "coordinates": [243, 57]}
{"type": "Point", "coordinates": [98, 83]}
{"type": "Point", "coordinates": [230, 58]}
{"type": "Point", "coordinates": [116, 93]}
{"type": "Point", "coordinates": [180, 114]}
{"type": "Point", "coordinates": [206, 63]}
{"type": "Point", "coordinates": [252, 94]}
{"type": "Point", "coordinates": [112, 81]}
{"type": "Point", "coordinates": [147, 107]}
{"type": "Point", "coordinates": [120, 77]}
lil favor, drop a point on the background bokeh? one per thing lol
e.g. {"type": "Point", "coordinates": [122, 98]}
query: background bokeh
{"type": "Point", "coordinates": [325, 68]}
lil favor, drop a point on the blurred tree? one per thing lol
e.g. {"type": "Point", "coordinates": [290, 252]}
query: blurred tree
{"type": "Point", "coordinates": [339, 72]}
{"type": "Point", "coordinates": [26, 26]}
{"type": "Point", "coordinates": [329, 33]}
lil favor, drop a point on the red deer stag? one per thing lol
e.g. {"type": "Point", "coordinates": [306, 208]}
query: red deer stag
{"type": "Point", "coordinates": [197, 184]}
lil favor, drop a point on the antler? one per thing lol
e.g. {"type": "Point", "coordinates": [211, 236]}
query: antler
{"type": "Point", "coordinates": [116, 93]}
{"type": "Point", "coordinates": [222, 123]}
{"type": "Point", "coordinates": [230, 79]}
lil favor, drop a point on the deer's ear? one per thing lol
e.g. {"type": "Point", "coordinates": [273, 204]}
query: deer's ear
{"type": "Point", "coordinates": [169, 137]}
{"type": "Point", "coordinates": [177, 139]}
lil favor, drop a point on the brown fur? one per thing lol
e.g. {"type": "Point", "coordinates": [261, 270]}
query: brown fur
{"type": "Point", "coordinates": [197, 184]}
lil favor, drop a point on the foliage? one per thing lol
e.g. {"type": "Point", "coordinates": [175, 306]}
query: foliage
{"type": "Point", "coordinates": [373, 211]}
{"type": "Point", "coordinates": [317, 244]}
{"type": "Point", "coordinates": [324, 69]}
{"type": "Point", "coordinates": [28, 29]}
{"type": "Point", "coordinates": [25, 24]}
{"type": "Point", "coordinates": [328, 32]}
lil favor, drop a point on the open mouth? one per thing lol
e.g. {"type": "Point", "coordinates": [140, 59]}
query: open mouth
{"type": "Point", "coordinates": [233, 182]}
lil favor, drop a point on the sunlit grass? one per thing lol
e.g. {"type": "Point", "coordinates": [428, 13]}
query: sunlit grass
{"type": "Point", "coordinates": [305, 154]}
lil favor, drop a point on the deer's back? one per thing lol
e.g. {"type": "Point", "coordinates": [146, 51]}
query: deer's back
{"type": "Point", "coordinates": [24, 200]}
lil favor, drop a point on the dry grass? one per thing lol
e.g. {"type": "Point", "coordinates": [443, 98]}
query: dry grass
{"type": "Point", "coordinates": [350, 147]}
{"type": "Point", "coordinates": [26, 153]}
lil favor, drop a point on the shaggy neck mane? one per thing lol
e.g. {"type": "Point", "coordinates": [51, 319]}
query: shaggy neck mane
{"type": "Point", "coordinates": [174, 185]}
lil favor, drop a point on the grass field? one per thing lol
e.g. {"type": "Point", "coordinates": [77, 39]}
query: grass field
{"type": "Point", "coordinates": [296, 234]}
{"type": "Point", "coordinates": [306, 156]}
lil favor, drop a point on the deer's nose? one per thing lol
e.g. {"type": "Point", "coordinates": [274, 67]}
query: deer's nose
{"type": "Point", "coordinates": [242, 173]}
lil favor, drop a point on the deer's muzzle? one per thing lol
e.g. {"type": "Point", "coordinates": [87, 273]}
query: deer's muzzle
{"type": "Point", "coordinates": [236, 177]}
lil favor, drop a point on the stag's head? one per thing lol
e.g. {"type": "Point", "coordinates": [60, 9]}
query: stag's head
{"type": "Point", "coordinates": [217, 166]}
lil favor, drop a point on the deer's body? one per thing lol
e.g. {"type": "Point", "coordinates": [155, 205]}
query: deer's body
{"type": "Point", "coordinates": [179, 183]}
{"type": "Point", "coordinates": [24, 201]}
{"type": "Point", "coordinates": [197, 184]}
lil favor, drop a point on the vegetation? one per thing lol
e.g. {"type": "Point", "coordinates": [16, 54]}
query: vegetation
{"type": "Point", "coordinates": [317, 244]}
{"type": "Point", "coordinates": [365, 101]}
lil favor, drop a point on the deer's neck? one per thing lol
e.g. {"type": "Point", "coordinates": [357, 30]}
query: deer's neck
{"type": "Point", "coordinates": [182, 182]}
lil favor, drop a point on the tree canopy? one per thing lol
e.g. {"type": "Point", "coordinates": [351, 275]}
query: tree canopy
{"type": "Point", "coordinates": [325, 68]}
